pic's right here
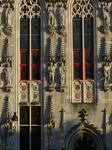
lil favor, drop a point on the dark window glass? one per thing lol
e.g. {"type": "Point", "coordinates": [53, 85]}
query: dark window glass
{"type": "Point", "coordinates": [35, 115]}
{"type": "Point", "coordinates": [77, 72]}
{"type": "Point", "coordinates": [24, 58]}
{"type": "Point", "coordinates": [36, 138]}
{"type": "Point", "coordinates": [89, 57]}
{"type": "Point", "coordinates": [88, 26]}
{"type": "Point", "coordinates": [36, 72]}
{"type": "Point", "coordinates": [89, 72]}
{"type": "Point", "coordinates": [24, 115]}
{"type": "Point", "coordinates": [35, 58]}
{"type": "Point", "coordinates": [24, 26]}
{"type": "Point", "coordinates": [24, 73]}
{"type": "Point", "coordinates": [77, 26]}
{"type": "Point", "coordinates": [24, 34]}
{"type": "Point", "coordinates": [77, 34]}
{"type": "Point", "coordinates": [88, 34]}
{"type": "Point", "coordinates": [77, 57]}
{"type": "Point", "coordinates": [88, 42]}
{"type": "Point", "coordinates": [77, 42]}
{"type": "Point", "coordinates": [36, 26]}
{"type": "Point", "coordinates": [24, 138]}
{"type": "Point", "coordinates": [35, 42]}
{"type": "Point", "coordinates": [24, 42]}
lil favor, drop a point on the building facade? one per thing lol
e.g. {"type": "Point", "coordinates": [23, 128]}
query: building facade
{"type": "Point", "coordinates": [55, 74]}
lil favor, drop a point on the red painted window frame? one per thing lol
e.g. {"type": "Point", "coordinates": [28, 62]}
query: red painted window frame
{"type": "Point", "coordinates": [88, 64]}
{"type": "Point", "coordinates": [32, 65]}
{"type": "Point", "coordinates": [24, 65]}
{"type": "Point", "coordinates": [77, 64]}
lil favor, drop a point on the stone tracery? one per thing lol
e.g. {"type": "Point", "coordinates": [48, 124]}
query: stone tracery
{"type": "Point", "coordinates": [82, 8]}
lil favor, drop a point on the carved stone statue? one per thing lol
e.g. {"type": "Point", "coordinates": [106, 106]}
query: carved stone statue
{"type": "Point", "coordinates": [51, 142]}
{"type": "Point", "coordinates": [61, 16]}
{"type": "Point", "coordinates": [8, 16]}
{"type": "Point", "coordinates": [107, 72]}
{"type": "Point", "coordinates": [62, 74]}
{"type": "Point", "coordinates": [50, 15]}
{"type": "Point", "coordinates": [0, 16]}
{"type": "Point", "coordinates": [8, 73]}
{"type": "Point", "coordinates": [105, 17]}
{"type": "Point", "coordinates": [51, 71]}
{"type": "Point", "coordinates": [8, 76]}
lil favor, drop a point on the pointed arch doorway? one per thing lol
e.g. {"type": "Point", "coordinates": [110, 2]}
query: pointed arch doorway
{"type": "Point", "coordinates": [85, 142]}
{"type": "Point", "coordinates": [84, 137]}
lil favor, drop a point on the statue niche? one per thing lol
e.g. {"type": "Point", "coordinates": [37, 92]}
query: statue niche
{"type": "Point", "coordinates": [105, 21]}
{"type": "Point", "coordinates": [51, 73]}
{"type": "Point", "coordinates": [9, 18]}
{"type": "Point", "coordinates": [106, 72]}
{"type": "Point", "coordinates": [61, 14]}
{"type": "Point", "coordinates": [50, 10]}
{"type": "Point", "coordinates": [8, 74]}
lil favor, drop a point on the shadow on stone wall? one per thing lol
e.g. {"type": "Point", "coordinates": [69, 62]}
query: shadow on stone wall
{"type": "Point", "coordinates": [100, 74]}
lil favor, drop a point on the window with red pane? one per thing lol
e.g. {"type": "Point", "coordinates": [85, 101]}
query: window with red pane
{"type": "Point", "coordinates": [88, 49]}
{"type": "Point", "coordinates": [77, 49]}
{"type": "Point", "coordinates": [35, 49]}
{"type": "Point", "coordinates": [83, 53]}
{"type": "Point", "coordinates": [24, 49]}
{"type": "Point", "coordinates": [30, 48]}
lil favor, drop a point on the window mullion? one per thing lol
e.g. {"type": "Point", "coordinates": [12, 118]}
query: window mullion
{"type": "Point", "coordinates": [83, 72]}
{"type": "Point", "coordinates": [30, 72]}
{"type": "Point", "coordinates": [30, 128]}
{"type": "Point", "coordinates": [30, 50]}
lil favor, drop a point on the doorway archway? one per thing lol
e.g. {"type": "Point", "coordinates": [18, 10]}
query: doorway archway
{"type": "Point", "coordinates": [84, 137]}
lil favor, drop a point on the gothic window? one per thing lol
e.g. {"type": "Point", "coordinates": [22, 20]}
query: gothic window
{"type": "Point", "coordinates": [83, 50]}
{"type": "Point", "coordinates": [30, 127]}
{"type": "Point", "coordinates": [30, 24]}
{"type": "Point", "coordinates": [30, 51]}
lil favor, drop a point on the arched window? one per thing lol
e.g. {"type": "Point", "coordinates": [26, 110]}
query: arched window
{"type": "Point", "coordinates": [83, 51]}
{"type": "Point", "coordinates": [29, 41]}
{"type": "Point", "coordinates": [29, 97]}
{"type": "Point", "coordinates": [83, 43]}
